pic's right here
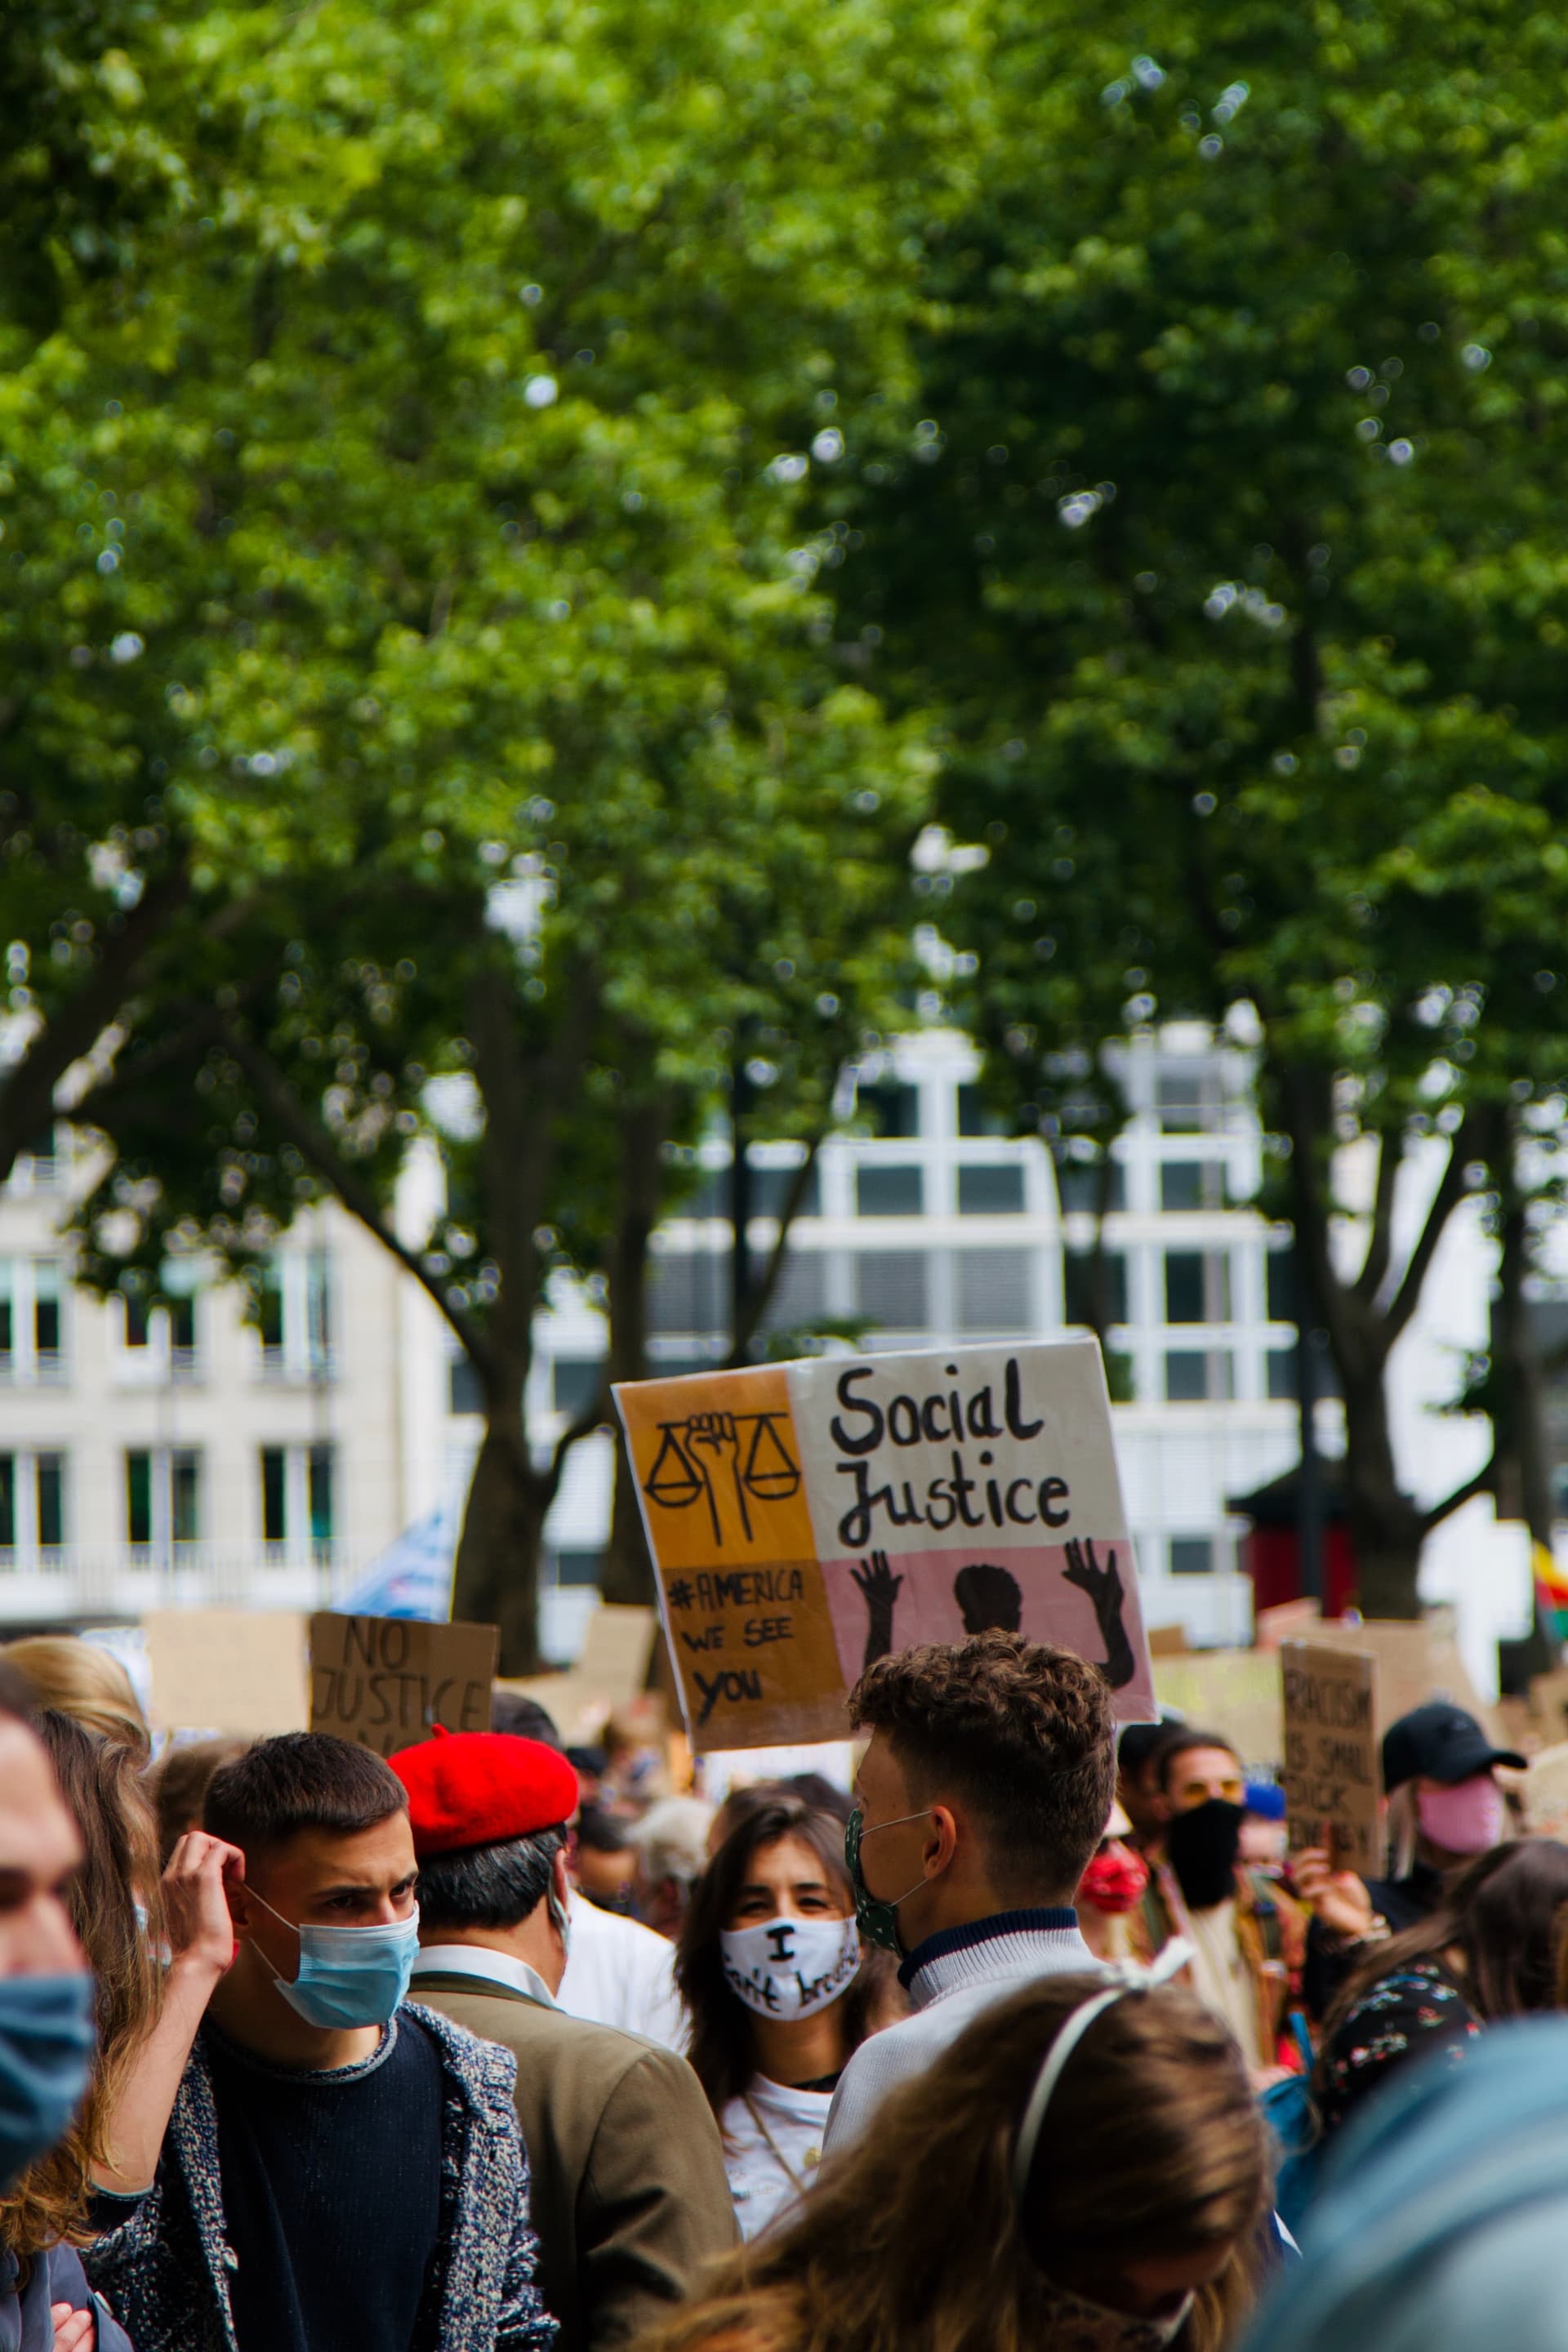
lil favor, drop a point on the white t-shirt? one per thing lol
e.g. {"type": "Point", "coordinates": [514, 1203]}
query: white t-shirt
{"type": "Point", "coordinates": [1221, 1977]}
{"type": "Point", "coordinates": [620, 1973]}
{"type": "Point", "coordinates": [770, 2134]}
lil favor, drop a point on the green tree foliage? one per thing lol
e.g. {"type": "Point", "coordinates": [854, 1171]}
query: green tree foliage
{"type": "Point", "coordinates": [1226, 543]}
{"type": "Point", "coordinates": [475, 393]}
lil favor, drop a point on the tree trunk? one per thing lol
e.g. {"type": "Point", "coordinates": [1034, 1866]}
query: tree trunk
{"type": "Point", "coordinates": [497, 1576]}
{"type": "Point", "coordinates": [1387, 1528]}
{"type": "Point", "coordinates": [627, 1572]}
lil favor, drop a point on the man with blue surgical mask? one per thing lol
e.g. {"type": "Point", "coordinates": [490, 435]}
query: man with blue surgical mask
{"type": "Point", "coordinates": [47, 2035]}
{"type": "Point", "coordinates": [343, 2170]}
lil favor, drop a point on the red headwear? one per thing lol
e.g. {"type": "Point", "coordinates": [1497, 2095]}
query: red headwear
{"type": "Point", "coordinates": [478, 1788]}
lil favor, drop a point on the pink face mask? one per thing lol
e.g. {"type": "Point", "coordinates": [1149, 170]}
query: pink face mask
{"type": "Point", "coordinates": [1465, 1818]}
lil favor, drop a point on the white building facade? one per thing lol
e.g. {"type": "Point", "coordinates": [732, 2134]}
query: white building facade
{"type": "Point", "coordinates": [187, 1457]}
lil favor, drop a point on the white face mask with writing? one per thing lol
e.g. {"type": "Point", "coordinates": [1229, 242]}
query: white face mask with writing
{"type": "Point", "coordinates": [1079, 2325]}
{"type": "Point", "coordinates": [790, 1967]}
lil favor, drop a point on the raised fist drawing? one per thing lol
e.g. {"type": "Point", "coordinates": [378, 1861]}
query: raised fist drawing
{"type": "Point", "coordinates": [879, 1588]}
{"type": "Point", "coordinates": [1103, 1586]}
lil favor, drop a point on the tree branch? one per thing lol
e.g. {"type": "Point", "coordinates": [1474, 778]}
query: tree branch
{"type": "Point", "coordinates": [27, 1096]}
{"type": "Point", "coordinates": [761, 1294]}
{"type": "Point", "coordinates": [311, 1141]}
{"type": "Point", "coordinates": [1483, 1483]}
{"type": "Point", "coordinates": [1444, 1201]}
{"type": "Point", "coordinates": [1380, 1246]}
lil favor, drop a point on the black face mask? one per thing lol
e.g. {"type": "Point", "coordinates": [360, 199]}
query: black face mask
{"type": "Point", "coordinates": [1203, 1847]}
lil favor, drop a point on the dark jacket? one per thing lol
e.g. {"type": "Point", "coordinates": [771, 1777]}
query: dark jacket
{"type": "Point", "coordinates": [629, 2194]}
{"type": "Point", "coordinates": [56, 2277]}
{"type": "Point", "coordinates": [165, 2269]}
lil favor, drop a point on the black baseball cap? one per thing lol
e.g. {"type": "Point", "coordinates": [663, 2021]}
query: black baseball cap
{"type": "Point", "coordinates": [1439, 1742]}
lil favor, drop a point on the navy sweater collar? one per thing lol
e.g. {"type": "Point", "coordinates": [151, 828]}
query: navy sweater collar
{"type": "Point", "coordinates": [1048, 1917]}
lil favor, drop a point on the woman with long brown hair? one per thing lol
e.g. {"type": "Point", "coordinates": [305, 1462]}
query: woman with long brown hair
{"type": "Point", "coordinates": [779, 1993]}
{"type": "Point", "coordinates": [1084, 2170]}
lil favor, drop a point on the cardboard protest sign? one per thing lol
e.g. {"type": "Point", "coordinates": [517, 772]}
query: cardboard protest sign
{"type": "Point", "coordinates": [1233, 1691]}
{"type": "Point", "coordinates": [610, 1674]}
{"type": "Point", "coordinates": [808, 1519]}
{"type": "Point", "coordinates": [1330, 1752]}
{"type": "Point", "coordinates": [1419, 1659]}
{"type": "Point", "coordinates": [385, 1681]}
{"type": "Point", "coordinates": [1546, 1793]}
{"type": "Point", "coordinates": [240, 1670]}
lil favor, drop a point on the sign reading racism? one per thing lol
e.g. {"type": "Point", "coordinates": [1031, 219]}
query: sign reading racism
{"type": "Point", "coordinates": [808, 1519]}
{"type": "Point", "coordinates": [386, 1681]}
{"type": "Point", "coordinates": [1330, 1752]}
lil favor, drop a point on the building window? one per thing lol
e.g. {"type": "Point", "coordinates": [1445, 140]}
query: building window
{"type": "Point", "coordinates": [274, 1495]}
{"type": "Point", "coordinates": [574, 1382]}
{"type": "Point", "coordinates": [139, 1497]}
{"type": "Point", "coordinates": [1192, 1184]}
{"type": "Point", "coordinates": [577, 1566]}
{"type": "Point", "coordinates": [163, 1496]}
{"type": "Point", "coordinates": [978, 1117]}
{"type": "Point", "coordinates": [1078, 1283]}
{"type": "Point", "coordinates": [770, 1192]}
{"type": "Point", "coordinates": [32, 1319]}
{"type": "Point", "coordinates": [295, 1315]}
{"type": "Point", "coordinates": [1280, 1364]}
{"type": "Point", "coordinates": [994, 1292]}
{"type": "Point", "coordinates": [185, 1497]}
{"type": "Point", "coordinates": [7, 1503]}
{"type": "Point", "coordinates": [1279, 1275]}
{"type": "Point", "coordinates": [1199, 1376]}
{"type": "Point", "coordinates": [1192, 1555]}
{"type": "Point", "coordinates": [1188, 1099]}
{"type": "Point", "coordinates": [991, 1192]}
{"type": "Point", "coordinates": [889, 1192]}
{"type": "Point", "coordinates": [49, 1500]}
{"type": "Point", "coordinates": [800, 1295]}
{"type": "Point", "coordinates": [298, 1499]}
{"type": "Point", "coordinates": [891, 1286]}
{"type": "Point", "coordinates": [138, 1320]}
{"type": "Point", "coordinates": [465, 1390]}
{"type": "Point", "coordinates": [1079, 1185]}
{"type": "Point", "coordinates": [889, 1110]}
{"type": "Point", "coordinates": [46, 1312]}
{"type": "Point", "coordinates": [1198, 1287]}
{"type": "Point", "coordinates": [688, 1291]}
{"type": "Point", "coordinates": [320, 1501]}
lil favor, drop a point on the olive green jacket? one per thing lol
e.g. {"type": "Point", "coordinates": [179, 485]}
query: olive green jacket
{"type": "Point", "coordinates": [630, 2197]}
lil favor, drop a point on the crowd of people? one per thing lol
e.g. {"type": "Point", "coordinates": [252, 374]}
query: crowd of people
{"type": "Point", "coordinates": [1031, 2037]}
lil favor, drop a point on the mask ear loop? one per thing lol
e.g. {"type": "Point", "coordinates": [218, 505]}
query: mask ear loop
{"type": "Point", "coordinates": [1129, 1977]}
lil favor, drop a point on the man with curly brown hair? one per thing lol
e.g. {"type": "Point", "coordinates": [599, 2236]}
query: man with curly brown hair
{"type": "Point", "coordinates": [984, 1792]}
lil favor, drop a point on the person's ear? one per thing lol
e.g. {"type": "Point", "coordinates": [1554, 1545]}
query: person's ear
{"type": "Point", "coordinates": [242, 1905]}
{"type": "Point", "coordinates": [559, 1883]}
{"type": "Point", "coordinates": [942, 1839]}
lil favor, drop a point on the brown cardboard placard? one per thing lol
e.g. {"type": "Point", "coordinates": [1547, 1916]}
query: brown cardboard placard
{"type": "Point", "coordinates": [1329, 1711]}
{"type": "Point", "coordinates": [385, 1681]}
{"type": "Point", "coordinates": [1546, 1792]}
{"type": "Point", "coordinates": [1417, 1660]}
{"type": "Point", "coordinates": [1168, 1642]}
{"type": "Point", "coordinates": [808, 1519]}
{"type": "Point", "coordinates": [1235, 1692]}
{"type": "Point", "coordinates": [239, 1670]}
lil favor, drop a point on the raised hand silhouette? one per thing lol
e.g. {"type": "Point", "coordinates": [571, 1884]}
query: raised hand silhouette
{"type": "Point", "coordinates": [879, 1588]}
{"type": "Point", "coordinates": [714, 1443]}
{"type": "Point", "coordinates": [1104, 1588]}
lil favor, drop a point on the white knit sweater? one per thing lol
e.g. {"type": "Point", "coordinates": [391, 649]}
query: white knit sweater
{"type": "Point", "coordinates": [951, 1979]}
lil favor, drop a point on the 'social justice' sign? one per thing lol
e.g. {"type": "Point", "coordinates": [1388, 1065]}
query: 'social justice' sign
{"type": "Point", "coordinates": [808, 1519]}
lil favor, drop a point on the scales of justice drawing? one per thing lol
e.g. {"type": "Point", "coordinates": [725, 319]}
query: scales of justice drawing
{"type": "Point", "coordinates": [695, 1454]}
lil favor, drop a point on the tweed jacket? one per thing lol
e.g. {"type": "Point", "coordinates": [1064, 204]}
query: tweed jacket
{"type": "Point", "coordinates": [164, 2270]}
{"type": "Point", "coordinates": [630, 2197]}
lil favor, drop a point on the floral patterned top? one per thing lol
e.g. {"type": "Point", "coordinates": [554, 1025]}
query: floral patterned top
{"type": "Point", "coordinates": [1417, 2011]}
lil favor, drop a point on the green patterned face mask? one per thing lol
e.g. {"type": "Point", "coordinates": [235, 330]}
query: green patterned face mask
{"type": "Point", "coordinates": [878, 1921]}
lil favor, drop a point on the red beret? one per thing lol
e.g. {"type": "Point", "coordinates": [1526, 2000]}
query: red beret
{"type": "Point", "coordinates": [478, 1788]}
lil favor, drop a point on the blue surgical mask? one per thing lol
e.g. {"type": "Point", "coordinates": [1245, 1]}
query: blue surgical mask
{"type": "Point", "coordinates": [349, 1976]}
{"type": "Point", "coordinates": [48, 2040]}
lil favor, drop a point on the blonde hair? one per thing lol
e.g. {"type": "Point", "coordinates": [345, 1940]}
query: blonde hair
{"type": "Point", "coordinates": [78, 1679]}
{"type": "Point", "coordinates": [100, 1780]}
{"type": "Point", "coordinates": [1153, 2147]}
